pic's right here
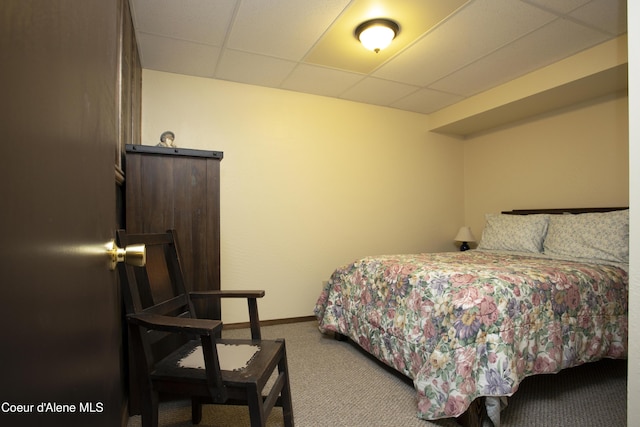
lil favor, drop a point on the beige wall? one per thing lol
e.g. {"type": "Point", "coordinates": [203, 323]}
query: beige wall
{"type": "Point", "coordinates": [577, 157]}
{"type": "Point", "coordinates": [633, 391]}
{"type": "Point", "coordinates": [309, 183]}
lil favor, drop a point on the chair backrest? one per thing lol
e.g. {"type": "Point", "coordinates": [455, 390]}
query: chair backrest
{"type": "Point", "coordinates": [156, 288]}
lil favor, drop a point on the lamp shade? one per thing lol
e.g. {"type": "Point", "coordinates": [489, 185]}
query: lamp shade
{"type": "Point", "coordinates": [464, 235]}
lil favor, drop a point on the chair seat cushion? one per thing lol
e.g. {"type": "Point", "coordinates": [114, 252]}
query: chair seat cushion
{"type": "Point", "coordinates": [232, 357]}
{"type": "Point", "coordinates": [257, 369]}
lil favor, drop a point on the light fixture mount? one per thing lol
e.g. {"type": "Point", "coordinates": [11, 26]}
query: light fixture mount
{"type": "Point", "coordinates": [376, 34]}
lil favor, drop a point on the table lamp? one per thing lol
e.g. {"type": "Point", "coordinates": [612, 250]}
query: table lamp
{"type": "Point", "coordinates": [464, 235]}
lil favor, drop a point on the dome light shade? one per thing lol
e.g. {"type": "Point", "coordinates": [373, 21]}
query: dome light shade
{"type": "Point", "coordinates": [376, 34]}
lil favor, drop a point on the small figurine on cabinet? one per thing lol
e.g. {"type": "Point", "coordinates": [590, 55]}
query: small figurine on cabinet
{"type": "Point", "coordinates": [166, 139]}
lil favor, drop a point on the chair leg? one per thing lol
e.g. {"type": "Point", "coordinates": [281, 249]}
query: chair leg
{"type": "Point", "coordinates": [149, 410]}
{"type": "Point", "coordinates": [285, 393]}
{"type": "Point", "coordinates": [256, 407]}
{"type": "Point", "coordinates": [196, 411]}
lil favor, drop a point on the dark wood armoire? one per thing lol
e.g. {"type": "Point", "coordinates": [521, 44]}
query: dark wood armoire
{"type": "Point", "coordinates": [177, 188]}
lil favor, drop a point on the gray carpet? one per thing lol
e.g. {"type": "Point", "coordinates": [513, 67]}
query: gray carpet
{"type": "Point", "coordinates": [334, 384]}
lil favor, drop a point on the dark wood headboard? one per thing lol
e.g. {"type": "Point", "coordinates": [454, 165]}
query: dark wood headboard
{"type": "Point", "coordinates": [561, 211]}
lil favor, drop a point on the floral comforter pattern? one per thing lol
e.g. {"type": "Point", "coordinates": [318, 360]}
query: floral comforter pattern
{"type": "Point", "coordinates": [475, 323]}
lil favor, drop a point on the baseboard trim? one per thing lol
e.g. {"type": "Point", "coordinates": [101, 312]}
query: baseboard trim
{"type": "Point", "coordinates": [243, 325]}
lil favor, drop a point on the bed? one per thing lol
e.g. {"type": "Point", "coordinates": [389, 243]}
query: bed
{"type": "Point", "coordinates": [545, 290]}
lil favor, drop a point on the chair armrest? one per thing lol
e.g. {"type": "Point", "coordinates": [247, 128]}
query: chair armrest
{"type": "Point", "coordinates": [251, 296]}
{"type": "Point", "coordinates": [187, 325]}
{"type": "Point", "coordinates": [227, 294]}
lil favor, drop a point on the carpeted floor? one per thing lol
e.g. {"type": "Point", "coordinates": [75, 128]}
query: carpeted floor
{"type": "Point", "coordinates": [334, 384]}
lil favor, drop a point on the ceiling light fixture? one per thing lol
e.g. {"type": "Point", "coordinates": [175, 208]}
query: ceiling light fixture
{"type": "Point", "coordinates": [376, 34]}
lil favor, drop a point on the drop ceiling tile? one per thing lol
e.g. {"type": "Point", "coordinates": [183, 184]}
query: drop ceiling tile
{"type": "Point", "coordinates": [320, 80]}
{"type": "Point", "coordinates": [285, 29]}
{"type": "Point", "coordinates": [202, 21]}
{"type": "Point", "coordinates": [551, 43]}
{"type": "Point", "coordinates": [377, 91]}
{"type": "Point", "coordinates": [558, 6]}
{"type": "Point", "coordinates": [456, 43]}
{"type": "Point", "coordinates": [253, 69]}
{"type": "Point", "coordinates": [177, 56]}
{"type": "Point", "coordinates": [339, 48]}
{"type": "Point", "coordinates": [426, 101]}
{"type": "Point", "coordinates": [606, 15]}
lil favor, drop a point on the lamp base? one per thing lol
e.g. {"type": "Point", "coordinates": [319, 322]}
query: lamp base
{"type": "Point", "coordinates": [464, 246]}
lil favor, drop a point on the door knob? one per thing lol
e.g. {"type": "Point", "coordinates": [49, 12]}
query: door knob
{"type": "Point", "coordinates": [133, 255]}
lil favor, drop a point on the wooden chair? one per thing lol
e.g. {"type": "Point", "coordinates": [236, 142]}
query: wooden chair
{"type": "Point", "coordinates": [176, 353]}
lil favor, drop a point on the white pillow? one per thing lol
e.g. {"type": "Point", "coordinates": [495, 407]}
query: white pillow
{"type": "Point", "coordinates": [595, 236]}
{"type": "Point", "coordinates": [518, 233]}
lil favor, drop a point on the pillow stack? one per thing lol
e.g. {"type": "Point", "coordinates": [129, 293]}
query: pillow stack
{"type": "Point", "coordinates": [598, 236]}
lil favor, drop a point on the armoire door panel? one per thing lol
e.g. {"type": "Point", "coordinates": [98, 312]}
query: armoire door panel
{"type": "Point", "coordinates": [180, 189]}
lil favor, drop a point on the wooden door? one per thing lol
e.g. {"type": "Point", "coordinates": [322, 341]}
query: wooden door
{"type": "Point", "coordinates": [60, 313]}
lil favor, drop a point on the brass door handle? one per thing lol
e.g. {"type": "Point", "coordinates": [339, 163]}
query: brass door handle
{"type": "Point", "coordinates": [133, 255]}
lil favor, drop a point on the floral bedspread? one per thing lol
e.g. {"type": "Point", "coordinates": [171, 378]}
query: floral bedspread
{"type": "Point", "coordinates": [474, 323]}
